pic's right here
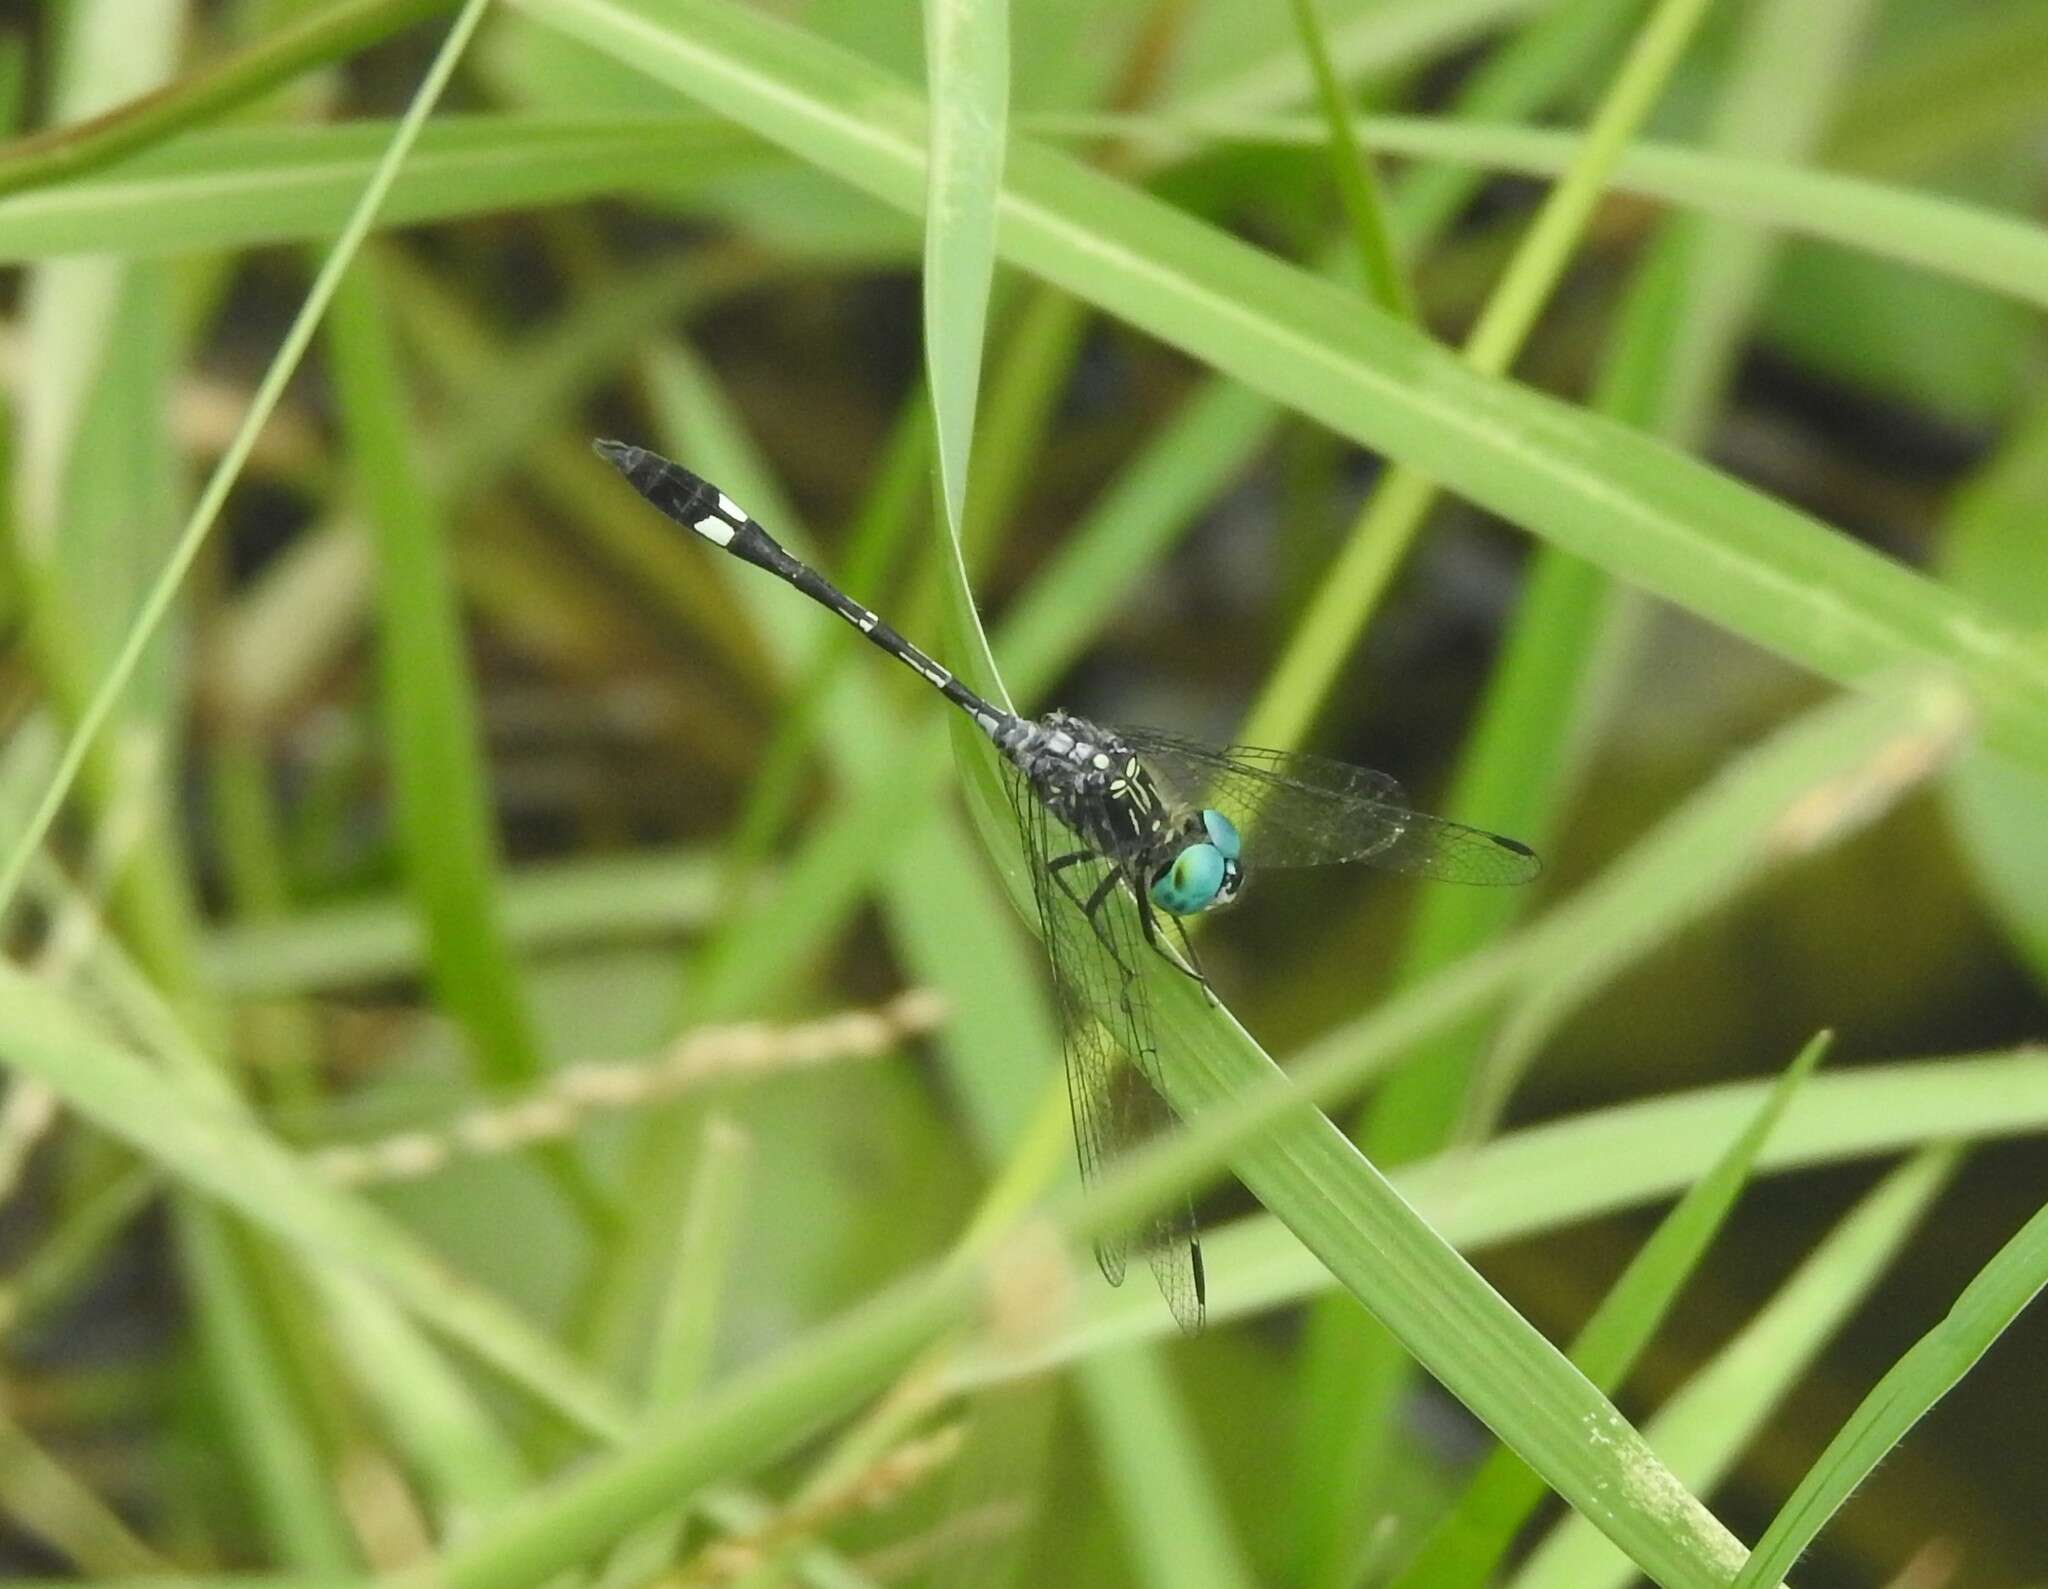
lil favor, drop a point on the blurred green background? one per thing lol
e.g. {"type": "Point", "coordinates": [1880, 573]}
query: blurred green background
{"type": "Point", "coordinates": [453, 769]}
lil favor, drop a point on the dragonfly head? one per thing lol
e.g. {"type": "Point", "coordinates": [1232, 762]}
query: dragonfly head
{"type": "Point", "coordinates": [1202, 872]}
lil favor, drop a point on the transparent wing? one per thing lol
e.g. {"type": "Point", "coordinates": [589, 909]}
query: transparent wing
{"type": "Point", "coordinates": [1300, 810]}
{"type": "Point", "coordinates": [1094, 942]}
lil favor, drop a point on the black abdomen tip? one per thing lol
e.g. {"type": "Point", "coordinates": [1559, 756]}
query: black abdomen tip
{"type": "Point", "coordinates": [683, 496]}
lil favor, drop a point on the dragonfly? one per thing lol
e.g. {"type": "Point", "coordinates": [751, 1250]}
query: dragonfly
{"type": "Point", "coordinates": [1126, 834]}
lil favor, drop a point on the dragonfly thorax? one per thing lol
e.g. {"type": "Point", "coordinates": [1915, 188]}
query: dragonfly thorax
{"type": "Point", "coordinates": [1186, 861]}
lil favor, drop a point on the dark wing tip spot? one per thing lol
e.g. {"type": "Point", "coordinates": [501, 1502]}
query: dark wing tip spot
{"type": "Point", "coordinates": [1514, 846]}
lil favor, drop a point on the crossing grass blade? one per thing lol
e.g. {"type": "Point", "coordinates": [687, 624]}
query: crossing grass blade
{"type": "Point", "coordinates": [248, 187]}
{"type": "Point", "coordinates": [1638, 509]}
{"type": "Point", "coordinates": [1995, 1297]}
{"type": "Point", "coordinates": [1989, 248]}
{"type": "Point", "coordinates": [1543, 1179]}
{"type": "Point", "coordinates": [163, 590]}
{"type": "Point", "coordinates": [1706, 1425]}
{"type": "Point", "coordinates": [1468, 1545]}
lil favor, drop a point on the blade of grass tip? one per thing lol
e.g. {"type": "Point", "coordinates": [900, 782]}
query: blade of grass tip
{"type": "Point", "coordinates": [967, 53]}
{"type": "Point", "coordinates": [1703, 1428]}
{"type": "Point", "coordinates": [1476, 1534]}
{"type": "Point", "coordinates": [163, 592]}
{"type": "Point", "coordinates": [431, 729]}
{"type": "Point", "coordinates": [1354, 583]}
{"type": "Point", "coordinates": [1931, 1367]}
{"type": "Point", "coordinates": [328, 35]}
{"type": "Point", "coordinates": [1351, 165]}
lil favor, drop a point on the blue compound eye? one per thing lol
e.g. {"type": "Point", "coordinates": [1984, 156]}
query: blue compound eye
{"type": "Point", "coordinates": [1190, 884]}
{"type": "Point", "coordinates": [1222, 833]}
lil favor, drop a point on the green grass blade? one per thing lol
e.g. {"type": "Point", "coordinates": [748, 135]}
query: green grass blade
{"type": "Point", "coordinates": [164, 591]}
{"type": "Point", "coordinates": [328, 35]}
{"type": "Point", "coordinates": [1991, 551]}
{"type": "Point", "coordinates": [1511, 778]}
{"type": "Point", "coordinates": [213, 1147]}
{"type": "Point", "coordinates": [1172, 1513]}
{"type": "Point", "coordinates": [1705, 1426]}
{"type": "Point", "coordinates": [1358, 186]}
{"type": "Point", "coordinates": [1945, 236]}
{"type": "Point", "coordinates": [1255, 68]}
{"type": "Point", "coordinates": [1537, 1181]}
{"type": "Point", "coordinates": [1934, 1364]}
{"type": "Point", "coordinates": [431, 1413]}
{"type": "Point", "coordinates": [443, 802]}
{"type": "Point", "coordinates": [1357, 578]}
{"type": "Point", "coordinates": [244, 187]}
{"type": "Point", "coordinates": [1528, 71]}
{"type": "Point", "coordinates": [679, 1355]}
{"type": "Point", "coordinates": [552, 905]}
{"type": "Point", "coordinates": [52, 1506]}
{"type": "Point", "coordinates": [745, 1419]}
{"type": "Point", "coordinates": [1470, 1542]}
{"type": "Point", "coordinates": [967, 52]}
{"type": "Point", "coordinates": [280, 1459]}
{"type": "Point", "coordinates": [1636, 508]}
{"type": "Point", "coordinates": [248, 186]}
{"type": "Point", "coordinates": [681, 1358]}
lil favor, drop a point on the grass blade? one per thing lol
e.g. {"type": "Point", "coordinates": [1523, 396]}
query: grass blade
{"type": "Point", "coordinates": [967, 50]}
{"type": "Point", "coordinates": [1705, 1426]}
{"type": "Point", "coordinates": [1929, 1370]}
{"type": "Point", "coordinates": [165, 589]}
{"type": "Point", "coordinates": [1364, 566]}
{"type": "Point", "coordinates": [1640, 510]}
{"type": "Point", "coordinates": [1352, 168]}
{"type": "Point", "coordinates": [329, 35]}
{"type": "Point", "coordinates": [1471, 1541]}
{"type": "Point", "coordinates": [443, 803]}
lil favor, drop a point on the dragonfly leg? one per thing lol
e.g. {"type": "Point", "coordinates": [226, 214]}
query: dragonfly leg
{"type": "Point", "coordinates": [1091, 907]}
{"type": "Point", "coordinates": [1164, 950]}
{"type": "Point", "coordinates": [1187, 947]}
